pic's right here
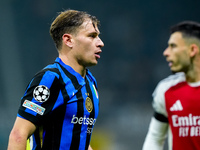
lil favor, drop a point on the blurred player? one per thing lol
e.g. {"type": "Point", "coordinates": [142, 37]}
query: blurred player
{"type": "Point", "coordinates": [176, 99]}
{"type": "Point", "coordinates": [60, 105]}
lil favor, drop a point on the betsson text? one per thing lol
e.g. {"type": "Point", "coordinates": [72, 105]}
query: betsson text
{"type": "Point", "coordinates": [83, 120]}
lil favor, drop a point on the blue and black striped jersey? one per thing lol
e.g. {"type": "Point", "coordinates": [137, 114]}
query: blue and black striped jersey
{"type": "Point", "coordinates": [63, 105]}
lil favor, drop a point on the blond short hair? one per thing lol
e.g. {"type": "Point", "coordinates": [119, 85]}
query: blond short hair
{"type": "Point", "coordinates": [68, 21]}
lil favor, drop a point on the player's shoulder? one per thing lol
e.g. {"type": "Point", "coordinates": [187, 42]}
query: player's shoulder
{"type": "Point", "coordinates": [49, 70]}
{"type": "Point", "coordinates": [171, 80]}
{"type": "Point", "coordinates": [161, 88]}
{"type": "Point", "coordinates": [166, 84]}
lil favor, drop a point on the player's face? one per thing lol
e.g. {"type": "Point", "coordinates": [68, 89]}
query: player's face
{"type": "Point", "coordinates": [87, 44]}
{"type": "Point", "coordinates": [177, 53]}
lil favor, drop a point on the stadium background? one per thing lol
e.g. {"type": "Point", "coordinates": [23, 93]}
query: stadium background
{"type": "Point", "coordinates": [135, 33]}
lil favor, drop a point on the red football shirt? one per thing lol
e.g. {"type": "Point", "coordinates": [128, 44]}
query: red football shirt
{"type": "Point", "coordinates": [179, 101]}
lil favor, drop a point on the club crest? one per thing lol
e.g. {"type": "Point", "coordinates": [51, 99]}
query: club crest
{"type": "Point", "coordinates": [88, 104]}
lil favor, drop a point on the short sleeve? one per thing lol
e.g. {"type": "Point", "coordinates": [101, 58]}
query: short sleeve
{"type": "Point", "coordinates": [159, 99]}
{"type": "Point", "coordinates": [40, 97]}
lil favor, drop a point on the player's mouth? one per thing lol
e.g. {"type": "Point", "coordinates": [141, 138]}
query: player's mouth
{"type": "Point", "coordinates": [97, 54]}
{"type": "Point", "coordinates": [170, 63]}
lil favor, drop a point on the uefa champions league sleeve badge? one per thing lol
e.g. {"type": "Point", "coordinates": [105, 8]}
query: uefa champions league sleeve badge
{"type": "Point", "coordinates": [41, 93]}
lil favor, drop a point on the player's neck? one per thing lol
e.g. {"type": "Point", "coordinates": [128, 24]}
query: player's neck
{"type": "Point", "coordinates": [193, 76]}
{"type": "Point", "coordinates": [74, 64]}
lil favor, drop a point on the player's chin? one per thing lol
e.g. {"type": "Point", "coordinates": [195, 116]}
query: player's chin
{"type": "Point", "coordinates": [175, 70]}
{"type": "Point", "coordinates": [93, 63]}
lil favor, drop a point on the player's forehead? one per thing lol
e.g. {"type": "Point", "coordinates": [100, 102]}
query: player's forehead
{"type": "Point", "coordinates": [89, 26]}
{"type": "Point", "coordinates": [176, 37]}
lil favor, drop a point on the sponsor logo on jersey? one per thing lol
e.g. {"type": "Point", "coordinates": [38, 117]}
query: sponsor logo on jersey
{"type": "Point", "coordinates": [176, 106]}
{"type": "Point", "coordinates": [83, 120]}
{"type": "Point", "coordinates": [34, 107]}
{"type": "Point", "coordinates": [187, 125]}
{"type": "Point", "coordinates": [89, 104]}
{"type": "Point", "coordinates": [41, 93]}
{"type": "Point", "coordinates": [189, 120]}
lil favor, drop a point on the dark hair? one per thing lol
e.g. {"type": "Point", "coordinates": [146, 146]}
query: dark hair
{"type": "Point", "coordinates": [68, 21]}
{"type": "Point", "coordinates": [187, 28]}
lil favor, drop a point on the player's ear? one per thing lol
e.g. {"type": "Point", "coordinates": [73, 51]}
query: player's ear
{"type": "Point", "coordinates": [67, 40]}
{"type": "Point", "coordinates": [194, 49]}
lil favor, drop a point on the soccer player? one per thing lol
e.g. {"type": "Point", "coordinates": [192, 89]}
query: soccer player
{"type": "Point", "coordinates": [60, 105]}
{"type": "Point", "coordinates": [176, 99]}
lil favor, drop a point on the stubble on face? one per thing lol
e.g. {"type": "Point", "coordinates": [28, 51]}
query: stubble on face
{"type": "Point", "coordinates": [178, 57]}
{"type": "Point", "coordinates": [85, 44]}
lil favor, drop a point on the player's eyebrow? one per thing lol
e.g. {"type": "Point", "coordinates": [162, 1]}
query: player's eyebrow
{"type": "Point", "coordinates": [172, 44]}
{"type": "Point", "coordinates": [94, 33]}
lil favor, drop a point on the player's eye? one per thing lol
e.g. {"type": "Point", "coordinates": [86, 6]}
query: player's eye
{"type": "Point", "coordinates": [93, 35]}
{"type": "Point", "coordinates": [172, 45]}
